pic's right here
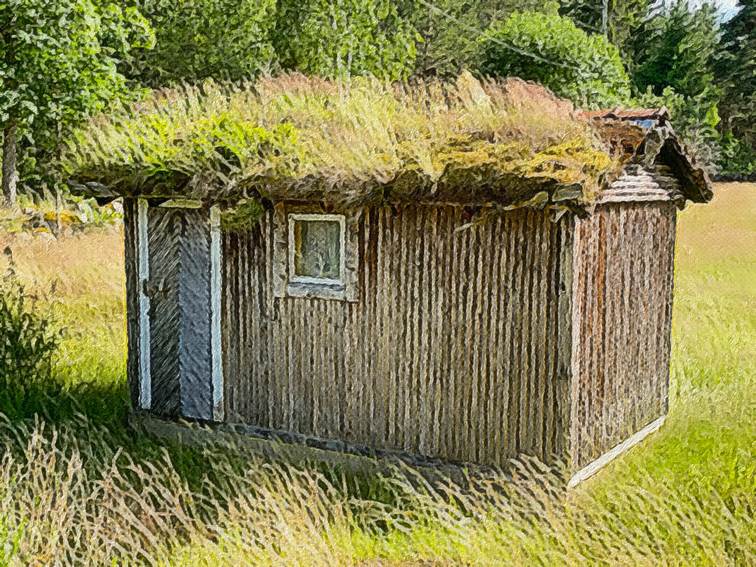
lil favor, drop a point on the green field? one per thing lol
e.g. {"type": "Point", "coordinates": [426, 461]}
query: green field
{"type": "Point", "coordinates": [77, 486]}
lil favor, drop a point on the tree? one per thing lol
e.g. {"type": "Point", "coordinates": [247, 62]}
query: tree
{"type": "Point", "coordinates": [735, 71]}
{"type": "Point", "coordinates": [223, 39]}
{"type": "Point", "coordinates": [676, 51]}
{"type": "Point", "coordinates": [58, 63]}
{"type": "Point", "coordinates": [345, 37]}
{"type": "Point", "coordinates": [618, 20]}
{"type": "Point", "coordinates": [695, 119]}
{"type": "Point", "coordinates": [550, 49]}
{"type": "Point", "coordinates": [449, 30]}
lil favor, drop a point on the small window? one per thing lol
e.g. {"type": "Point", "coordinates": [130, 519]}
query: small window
{"type": "Point", "coordinates": [315, 254]}
{"type": "Point", "coordinates": [316, 249]}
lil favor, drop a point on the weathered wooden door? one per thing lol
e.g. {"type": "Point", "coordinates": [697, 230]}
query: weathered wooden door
{"type": "Point", "coordinates": [179, 342]}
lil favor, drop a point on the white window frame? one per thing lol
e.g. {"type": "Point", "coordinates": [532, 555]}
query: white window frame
{"type": "Point", "coordinates": [310, 217]}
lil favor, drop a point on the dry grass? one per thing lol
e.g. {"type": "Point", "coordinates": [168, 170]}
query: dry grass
{"type": "Point", "coordinates": [82, 267]}
{"type": "Point", "coordinates": [83, 490]}
{"type": "Point", "coordinates": [293, 137]}
{"type": "Point", "coordinates": [724, 230]}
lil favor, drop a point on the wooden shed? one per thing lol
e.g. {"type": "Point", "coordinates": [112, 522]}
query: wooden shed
{"type": "Point", "coordinates": [427, 321]}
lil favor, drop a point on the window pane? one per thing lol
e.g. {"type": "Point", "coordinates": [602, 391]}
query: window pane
{"type": "Point", "coordinates": [317, 249]}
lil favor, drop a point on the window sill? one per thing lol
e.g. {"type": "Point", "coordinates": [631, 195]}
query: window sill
{"type": "Point", "coordinates": [316, 291]}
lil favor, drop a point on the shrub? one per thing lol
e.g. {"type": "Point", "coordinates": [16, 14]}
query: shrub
{"type": "Point", "coordinates": [28, 337]}
{"type": "Point", "coordinates": [551, 50]}
{"type": "Point", "coordinates": [738, 157]}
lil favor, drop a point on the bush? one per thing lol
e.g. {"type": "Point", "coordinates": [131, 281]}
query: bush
{"type": "Point", "coordinates": [551, 50]}
{"type": "Point", "coordinates": [28, 337]}
{"type": "Point", "coordinates": [738, 158]}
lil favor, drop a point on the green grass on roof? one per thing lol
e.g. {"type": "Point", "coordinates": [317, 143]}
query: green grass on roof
{"type": "Point", "coordinates": [299, 138]}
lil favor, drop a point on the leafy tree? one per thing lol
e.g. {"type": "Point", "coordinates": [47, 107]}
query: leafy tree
{"type": "Point", "coordinates": [58, 63]}
{"type": "Point", "coordinates": [735, 71]}
{"type": "Point", "coordinates": [677, 50]}
{"type": "Point", "coordinates": [224, 39]}
{"type": "Point", "coordinates": [618, 20]}
{"type": "Point", "coordinates": [345, 37]}
{"type": "Point", "coordinates": [550, 49]}
{"type": "Point", "coordinates": [449, 30]}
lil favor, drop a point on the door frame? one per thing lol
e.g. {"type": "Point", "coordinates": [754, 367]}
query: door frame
{"type": "Point", "coordinates": [143, 277]}
{"type": "Point", "coordinates": [216, 316]}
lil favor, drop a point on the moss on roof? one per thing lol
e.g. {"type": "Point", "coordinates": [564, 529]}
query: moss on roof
{"type": "Point", "coordinates": [298, 138]}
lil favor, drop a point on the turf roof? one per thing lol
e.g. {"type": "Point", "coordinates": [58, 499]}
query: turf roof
{"type": "Point", "coordinates": [296, 138]}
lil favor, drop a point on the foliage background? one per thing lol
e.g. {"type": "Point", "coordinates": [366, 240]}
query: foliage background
{"type": "Point", "coordinates": [552, 50]}
{"type": "Point", "coordinates": [597, 53]}
{"type": "Point", "coordinates": [225, 39]}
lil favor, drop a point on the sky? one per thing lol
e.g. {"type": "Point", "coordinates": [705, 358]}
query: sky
{"type": "Point", "coordinates": [726, 7]}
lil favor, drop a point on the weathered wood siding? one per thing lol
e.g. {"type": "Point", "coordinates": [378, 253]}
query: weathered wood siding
{"type": "Point", "coordinates": [450, 350]}
{"type": "Point", "coordinates": [622, 307]}
{"type": "Point", "coordinates": [195, 357]}
{"type": "Point", "coordinates": [643, 184]}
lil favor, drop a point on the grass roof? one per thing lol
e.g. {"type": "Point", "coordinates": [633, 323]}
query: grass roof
{"type": "Point", "coordinates": [299, 138]}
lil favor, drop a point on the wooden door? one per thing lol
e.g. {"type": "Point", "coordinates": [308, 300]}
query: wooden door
{"type": "Point", "coordinates": [180, 320]}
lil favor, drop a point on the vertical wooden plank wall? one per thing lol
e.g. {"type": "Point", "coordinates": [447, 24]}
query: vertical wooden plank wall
{"type": "Point", "coordinates": [450, 351]}
{"type": "Point", "coordinates": [622, 312]}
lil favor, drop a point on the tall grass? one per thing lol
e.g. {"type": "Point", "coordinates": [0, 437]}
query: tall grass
{"type": "Point", "coordinates": [293, 136]}
{"type": "Point", "coordinates": [77, 486]}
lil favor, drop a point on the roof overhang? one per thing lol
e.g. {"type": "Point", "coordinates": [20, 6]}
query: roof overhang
{"type": "Point", "coordinates": [645, 136]}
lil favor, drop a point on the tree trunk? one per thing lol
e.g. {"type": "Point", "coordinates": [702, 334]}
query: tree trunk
{"type": "Point", "coordinates": [10, 175]}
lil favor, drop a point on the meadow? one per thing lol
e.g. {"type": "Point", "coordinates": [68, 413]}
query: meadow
{"type": "Point", "coordinates": [77, 486]}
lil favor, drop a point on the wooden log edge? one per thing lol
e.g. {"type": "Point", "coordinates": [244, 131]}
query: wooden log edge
{"type": "Point", "coordinates": [298, 450]}
{"type": "Point", "coordinates": [595, 466]}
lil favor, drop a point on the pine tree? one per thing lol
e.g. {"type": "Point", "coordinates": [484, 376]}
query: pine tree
{"type": "Point", "coordinates": [676, 54]}
{"type": "Point", "coordinates": [736, 74]}
{"type": "Point", "coordinates": [677, 49]}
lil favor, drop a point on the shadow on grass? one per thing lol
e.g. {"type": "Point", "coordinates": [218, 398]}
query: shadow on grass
{"type": "Point", "coordinates": [56, 402]}
{"type": "Point", "coordinates": [93, 405]}
{"type": "Point", "coordinates": [97, 411]}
